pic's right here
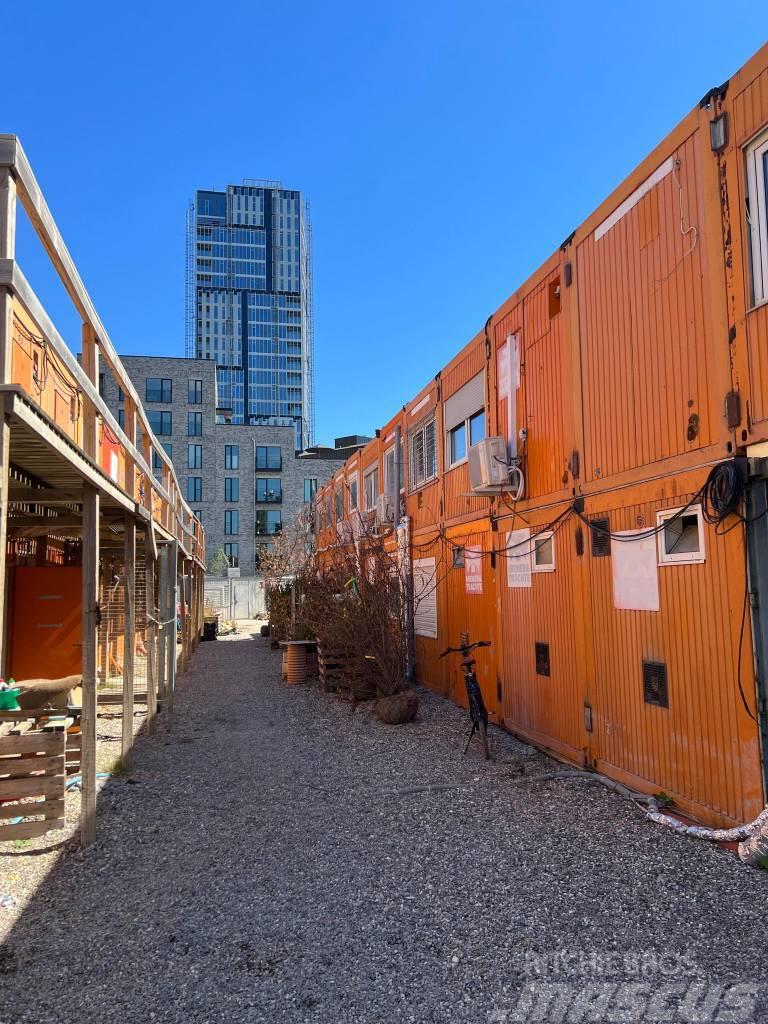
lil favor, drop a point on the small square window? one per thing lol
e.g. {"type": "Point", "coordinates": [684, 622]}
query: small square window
{"type": "Point", "coordinates": [458, 558]}
{"type": "Point", "coordinates": [544, 552]}
{"type": "Point", "coordinates": [681, 540]}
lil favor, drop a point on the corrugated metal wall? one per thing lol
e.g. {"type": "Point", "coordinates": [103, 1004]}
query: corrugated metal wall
{"type": "Point", "coordinates": [634, 340]}
{"type": "Point", "coordinates": [643, 330]}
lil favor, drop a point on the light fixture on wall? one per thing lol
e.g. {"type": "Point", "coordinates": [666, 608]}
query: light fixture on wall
{"type": "Point", "coordinates": [718, 132]}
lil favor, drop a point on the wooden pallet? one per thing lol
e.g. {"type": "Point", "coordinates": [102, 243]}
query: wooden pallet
{"type": "Point", "coordinates": [31, 766]}
{"type": "Point", "coordinates": [333, 669]}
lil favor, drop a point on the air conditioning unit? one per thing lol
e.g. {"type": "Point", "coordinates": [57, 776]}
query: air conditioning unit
{"type": "Point", "coordinates": [488, 466]}
{"type": "Point", "coordinates": [384, 512]}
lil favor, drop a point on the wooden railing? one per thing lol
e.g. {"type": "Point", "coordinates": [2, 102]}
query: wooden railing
{"type": "Point", "coordinates": [35, 358]}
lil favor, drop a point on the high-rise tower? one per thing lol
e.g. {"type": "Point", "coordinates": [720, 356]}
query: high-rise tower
{"type": "Point", "coordinates": [249, 302]}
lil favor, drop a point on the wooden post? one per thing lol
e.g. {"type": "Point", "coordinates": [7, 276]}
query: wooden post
{"type": "Point", "coordinates": [90, 631]}
{"type": "Point", "coordinates": [90, 419]}
{"type": "Point", "coordinates": [129, 636]}
{"type": "Point", "coordinates": [152, 660]}
{"type": "Point", "coordinates": [7, 214]}
{"type": "Point", "coordinates": [130, 431]}
{"type": "Point", "coordinates": [183, 608]}
{"type": "Point", "coordinates": [7, 252]}
{"type": "Point", "coordinates": [162, 632]}
{"type": "Point", "coordinates": [170, 617]}
{"type": "Point", "coordinates": [195, 625]}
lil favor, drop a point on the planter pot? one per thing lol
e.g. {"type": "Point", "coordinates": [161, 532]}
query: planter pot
{"type": "Point", "coordinates": [296, 662]}
{"type": "Point", "coordinates": [399, 708]}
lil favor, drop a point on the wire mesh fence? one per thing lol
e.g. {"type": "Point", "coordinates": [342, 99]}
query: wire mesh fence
{"type": "Point", "coordinates": [111, 633]}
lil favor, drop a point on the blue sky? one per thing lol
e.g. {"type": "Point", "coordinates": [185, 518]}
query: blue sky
{"type": "Point", "coordinates": [447, 148]}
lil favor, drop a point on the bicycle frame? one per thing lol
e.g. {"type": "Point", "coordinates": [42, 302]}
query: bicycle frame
{"type": "Point", "coordinates": [477, 709]}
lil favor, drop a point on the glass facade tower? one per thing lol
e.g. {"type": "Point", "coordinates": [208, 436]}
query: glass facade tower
{"type": "Point", "coordinates": [249, 302]}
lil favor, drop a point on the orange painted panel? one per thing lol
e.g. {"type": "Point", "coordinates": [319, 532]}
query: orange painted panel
{"type": "Point", "coordinates": [701, 748]}
{"type": "Point", "coordinates": [644, 333]}
{"type": "Point", "coordinates": [547, 708]}
{"type": "Point", "coordinates": [47, 622]}
{"type": "Point", "coordinates": [472, 613]}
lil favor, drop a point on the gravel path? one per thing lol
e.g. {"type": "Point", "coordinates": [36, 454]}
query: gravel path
{"type": "Point", "coordinates": [261, 864]}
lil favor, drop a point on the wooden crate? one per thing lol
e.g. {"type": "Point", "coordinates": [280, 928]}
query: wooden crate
{"type": "Point", "coordinates": [31, 766]}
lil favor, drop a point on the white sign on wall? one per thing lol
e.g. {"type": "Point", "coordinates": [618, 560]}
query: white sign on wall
{"type": "Point", "coordinates": [473, 569]}
{"type": "Point", "coordinates": [635, 573]}
{"type": "Point", "coordinates": [518, 556]}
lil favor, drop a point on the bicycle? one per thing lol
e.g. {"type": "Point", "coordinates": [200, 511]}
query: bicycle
{"type": "Point", "coordinates": [477, 709]}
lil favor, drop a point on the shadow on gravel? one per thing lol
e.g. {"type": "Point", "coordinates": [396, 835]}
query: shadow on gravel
{"type": "Point", "coordinates": [282, 858]}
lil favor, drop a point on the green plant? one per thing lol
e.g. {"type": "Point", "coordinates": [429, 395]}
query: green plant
{"type": "Point", "coordinates": [21, 844]}
{"type": "Point", "coordinates": [219, 564]}
{"type": "Point", "coordinates": [663, 799]}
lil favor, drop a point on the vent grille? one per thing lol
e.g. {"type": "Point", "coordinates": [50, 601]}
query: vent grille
{"type": "Point", "coordinates": [601, 542]}
{"type": "Point", "coordinates": [542, 659]}
{"type": "Point", "coordinates": [655, 689]}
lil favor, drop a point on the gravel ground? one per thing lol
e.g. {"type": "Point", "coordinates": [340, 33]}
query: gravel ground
{"type": "Point", "coordinates": [279, 857]}
{"type": "Point", "coordinates": [24, 864]}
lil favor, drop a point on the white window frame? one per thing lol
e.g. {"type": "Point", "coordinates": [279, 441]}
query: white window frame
{"type": "Point", "coordinates": [391, 452]}
{"type": "Point", "coordinates": [354, 479]}
{"type": "Point", "coordinates": [366, 477]}
{"type": "Point", "coordinates": [544, 535]}
{"type": "Point", "coordinates": [757, 187]}
{"type": "Point", "coordinates": [683, 557]}
{"type": "Point", "coordinates": [449, 446]}
{"type": "Point", "coordinates": [467, 438]}
{"type": "Point", "coordinates": [420, 429]}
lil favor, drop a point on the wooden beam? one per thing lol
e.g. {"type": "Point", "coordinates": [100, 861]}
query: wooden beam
{"type": "Point", "coordinates": [20, 407]}
{"type": "Point", "coordinates": [43, 495]}
{"type": "Point", "coordinates": [90, 614]}
{"type": "Point", "coordinates": [150, 565]}
{"type": "Point", "coordinates": [129, 636]}
{"type": "Point", "coordinates": [12, 278]}
{"type": "Point", "coordinates": [5, 456]}
{"type": "Point", "coordinates": [18, 181]}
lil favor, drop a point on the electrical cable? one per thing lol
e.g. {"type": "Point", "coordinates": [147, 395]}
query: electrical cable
{"type": "Point", "coordinates": [741, 647]}
{"type": "Point", "coordinates": [719, 496]}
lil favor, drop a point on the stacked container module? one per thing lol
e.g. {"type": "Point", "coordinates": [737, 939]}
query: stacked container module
{"type": "Point", "coordinates": [626, 367]}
